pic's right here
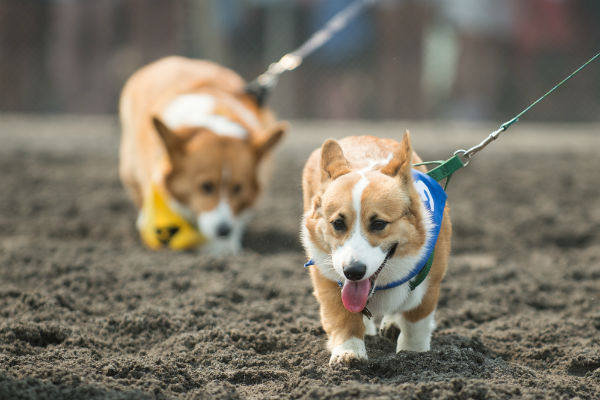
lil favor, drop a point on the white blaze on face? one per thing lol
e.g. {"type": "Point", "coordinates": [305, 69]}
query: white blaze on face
{"type": "Point", "coordinates": [357, 247]}
{"type": "Point", "coordinates": [209, 221]}
{"type": "Point", "coordinates": [222, 215]}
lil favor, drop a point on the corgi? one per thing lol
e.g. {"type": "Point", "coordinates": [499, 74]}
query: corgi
{"type": "Point", "coordinates": [371, 235]}
{"type": "Point", "coordinates": [191, 132]}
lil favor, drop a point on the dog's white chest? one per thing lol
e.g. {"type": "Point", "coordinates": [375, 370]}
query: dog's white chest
{"type": "Point", "coordinates": [198, 110]}
{"type": "Point", "coordinates": [397, 299]}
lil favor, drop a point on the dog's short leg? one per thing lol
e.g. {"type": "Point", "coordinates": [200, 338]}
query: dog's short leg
{"type": "Point", "coordinates": [417, 324]}
{"type": "Point", "coordinates": [390, 326]}
{"type": "Point", "coordinates": [370, 328]}
{"type": "Point", "coordinates": [411, 336]}
{"type": "Point", "coordinates": [415, 336]}
{"type": "Point", "coordinates": [344, 329]}
{"type": "Point", "coordinates": [351, 349]}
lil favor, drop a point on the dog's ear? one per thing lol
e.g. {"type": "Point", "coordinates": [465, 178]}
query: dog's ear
{"type": "Point", "coordinates": [270, 139]}
{"type": "Point", "coordinates": [401, 162]}
{"type": "Point", "coordinates": [333, 162]}
{"type": "Point", "coordinates": [172, 142]}
{"type": "Point", "coordinates": [313, 218]}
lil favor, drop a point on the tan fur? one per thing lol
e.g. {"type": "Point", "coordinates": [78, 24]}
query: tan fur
{"type": "Point", "coordinates": [390, 195]}
{"type": "Point", "coordinates": [180, 161]}
{"type": "Point", "coordinates": [339, 323]}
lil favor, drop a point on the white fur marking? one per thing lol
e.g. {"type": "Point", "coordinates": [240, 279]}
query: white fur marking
{"type": "Point", "coordinates": [376, 163]}
{"type": "Point", "coordinates": [232, 244]}
{"type": "Point", "coordinates": [353, 348]}
{"type": "Point", "coordinates": [370, 329]}
{"type": "Point", "coordinates": [322, 260]}
{"type": "Point", "coordinates": [198, 110]}
{"type": "Point", "coordinates": [415, 336]}
{"type": "Point", "coordinates": [357, 247]}
{"type": "Point", "coordinates": [209, 221]}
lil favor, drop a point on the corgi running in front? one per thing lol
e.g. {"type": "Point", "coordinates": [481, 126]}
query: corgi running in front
{"type": "Point", "coordinates": [195, 153]}
{"type": "Point", "coordinates": [377, 232]}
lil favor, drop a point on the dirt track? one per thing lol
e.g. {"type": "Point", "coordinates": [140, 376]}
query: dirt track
{"type": "Point", "coordinates": [87, 312]}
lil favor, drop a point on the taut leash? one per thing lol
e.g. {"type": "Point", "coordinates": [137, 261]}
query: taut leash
{"type": "Point", "coordinates": [445, 169]}
{"type": "Point", "coordinates": [462, 158]}
{"type": "Point", "coordinates": [261, 86]}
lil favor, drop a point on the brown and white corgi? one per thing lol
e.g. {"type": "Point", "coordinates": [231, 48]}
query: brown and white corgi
{"type": "Point", "coordinates": [365, 228]}
{"type": "Point", "coordinates": [189, 128]}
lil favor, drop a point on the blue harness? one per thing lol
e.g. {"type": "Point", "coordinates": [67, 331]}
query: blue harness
{"type": "Point", "coordinates": [434, 199]}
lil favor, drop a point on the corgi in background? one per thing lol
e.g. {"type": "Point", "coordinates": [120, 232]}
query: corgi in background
{"type": "Point", "coordinates": [377, 233]}
{"type": "Point", "coordinates": [194, 140]}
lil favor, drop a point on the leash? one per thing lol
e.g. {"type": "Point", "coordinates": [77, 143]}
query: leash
{"type": "Point", "coordinates": [261, 87]}
{"type": "Point", "coordinates": [462, 158]}
{"type": "Point", "coordinates": [445, 170]}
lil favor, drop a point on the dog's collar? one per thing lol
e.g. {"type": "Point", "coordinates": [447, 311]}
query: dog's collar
{"type": "Point", "coordinates": [434, 199]}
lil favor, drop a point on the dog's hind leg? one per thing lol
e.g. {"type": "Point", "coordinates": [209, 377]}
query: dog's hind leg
{"type": "Point", "coordinates": [408, 335]}
{"type": "Point", "coordinates": [415, 336]}
{"type": "Point", "coordinates": [411, 330]}
{"type": "Point", "coordinates": [417, 324]}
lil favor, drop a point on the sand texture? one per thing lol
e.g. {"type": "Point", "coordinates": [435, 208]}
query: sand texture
{"type": "Point", "coordinates": [87, 312]}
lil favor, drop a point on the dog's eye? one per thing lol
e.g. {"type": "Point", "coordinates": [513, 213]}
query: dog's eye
{"type": "Point", "coordinates": [378, 225]}
{"type": "Point", "coordinates": [207, 187]}
{"type": "Point", "coordinates": [236, 189]}
{"type": "Point", "coordinates": [339, 225]}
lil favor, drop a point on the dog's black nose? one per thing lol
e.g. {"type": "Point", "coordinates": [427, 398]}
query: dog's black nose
{"type": "Point", "coordinates": [165, 234]}
{"type": "Point", "coordinates": [355, 271]}
{"type": "Point", "coordinates": [223, 230]}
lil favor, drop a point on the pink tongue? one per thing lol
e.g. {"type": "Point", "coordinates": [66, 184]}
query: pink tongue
{"type": "Point", "coordinates": [355, 295]}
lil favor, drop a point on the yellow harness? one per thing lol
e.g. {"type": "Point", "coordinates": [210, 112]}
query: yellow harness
{"type": "Point", "coordinates": [161, 227]}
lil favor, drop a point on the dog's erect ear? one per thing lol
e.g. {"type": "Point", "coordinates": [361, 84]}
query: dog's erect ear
{"type": "Point", "coordinates": [333, 162]}
{"type": "Point", "coordinates": [172, 142]}
{"type": "Point", "coordinates": [401, 162]}
{"type": "Point", "coordinates": [270, 139]}
{"type": "Point", "coordinates": [315, 210]}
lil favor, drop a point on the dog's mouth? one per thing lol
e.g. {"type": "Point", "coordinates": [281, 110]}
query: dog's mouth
{"type": "Point", "coordinates": [355, 294]}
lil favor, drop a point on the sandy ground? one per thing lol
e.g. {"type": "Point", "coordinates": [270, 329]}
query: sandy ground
{"type": "Point", "coordinates": [87, 312]}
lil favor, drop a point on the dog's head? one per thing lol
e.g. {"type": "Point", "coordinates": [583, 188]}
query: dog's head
{"type": "Point", "coordinates": [363, 218]}
{"type": "Point", "coordinates": [214, 177]}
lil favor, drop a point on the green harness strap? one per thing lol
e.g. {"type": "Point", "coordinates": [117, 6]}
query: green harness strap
{"type": "Point", "coordinates": [423, 274]}
{"type": "Point", "coordinates": [444, 170]}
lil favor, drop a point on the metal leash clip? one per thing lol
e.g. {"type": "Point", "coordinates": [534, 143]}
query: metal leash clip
{"type": "Point", "coordinates": [261, 86]}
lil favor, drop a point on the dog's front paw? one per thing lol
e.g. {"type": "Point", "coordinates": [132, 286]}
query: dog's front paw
{"type": "Point", "coordinates": [351, 350]}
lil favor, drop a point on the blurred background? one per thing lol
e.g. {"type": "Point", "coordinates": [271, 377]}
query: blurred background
{"type": "Point", "coordinates": [458, 59]}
